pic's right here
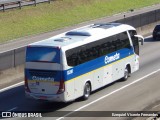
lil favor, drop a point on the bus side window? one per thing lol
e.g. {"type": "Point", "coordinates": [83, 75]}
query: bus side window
{"type": "Point", "coordinates": [82, 57]}
{"type": "Point", "coordinates": [98, 50]}
{"type": "Point", "coordinates": [94, 52]}
{"type": "Point", "coordinates": [114, 44]}
{"type": "Point", "coordinates": [119, 44]}
{"type": "Point", "coordinates": [127, 44]}
{"type": "Point", "coordinates": [88, 53]}
{"type": "Point", "coordinates": [112, 47]}
{"type": "Point", "coordinates": [71, 60]}
{"type": "Point", "coordinates": [79, 60]}
{"type": "Point", "coordinates": [103, 49]}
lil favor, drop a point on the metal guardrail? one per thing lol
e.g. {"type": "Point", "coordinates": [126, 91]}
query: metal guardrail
{"type": "Point", "coordinates": [9, 1]}
{"type": "Point", "coordinates": [36, 1]}
{"type": "Point", "coordinates": [4, 3]}
{"type": "Point", "coordinates": [8, 4]}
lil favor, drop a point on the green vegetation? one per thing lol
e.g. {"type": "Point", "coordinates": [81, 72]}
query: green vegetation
{"type": "Point", "coordinates": [60, 13]}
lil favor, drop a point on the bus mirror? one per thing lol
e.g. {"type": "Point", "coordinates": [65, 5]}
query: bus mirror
{"type": "Point", "coordinates": [140, 38]}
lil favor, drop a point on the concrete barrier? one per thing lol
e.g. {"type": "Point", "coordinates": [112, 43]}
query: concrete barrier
{"type": "Point", "coordinates": [12, 58]}
{"type": "Point", "coordinates": [147, 29]}
{"type": "Point", "coordinates": [19, 56]}
{"type": "Point", "coordinates": [7, 60]}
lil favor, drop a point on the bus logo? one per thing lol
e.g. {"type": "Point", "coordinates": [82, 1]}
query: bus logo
{"type": "Point", "coordinates": [42, 79]}
{"type": "Point", "coordinates": [112, 58]}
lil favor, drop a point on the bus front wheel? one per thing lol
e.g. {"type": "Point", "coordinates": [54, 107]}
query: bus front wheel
{"type": "Point", "coordinates": [87, 91]}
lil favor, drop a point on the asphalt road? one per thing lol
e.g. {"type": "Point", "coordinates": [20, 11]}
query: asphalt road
{"type": "Point", "coordinates": [140, 92]}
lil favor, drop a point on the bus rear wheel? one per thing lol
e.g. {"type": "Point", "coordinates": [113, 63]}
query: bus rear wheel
{"type": "Point", "coordinates": [126, 74]}
{"type": "Point", "coordinates": [87, 91]}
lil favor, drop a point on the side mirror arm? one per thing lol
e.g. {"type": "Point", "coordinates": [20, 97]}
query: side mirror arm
{"type": "Point", "coordinates": [140, 38]}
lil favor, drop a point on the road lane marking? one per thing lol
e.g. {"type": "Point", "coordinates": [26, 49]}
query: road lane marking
{"type": "Point", "coordinates": [12, 86]}
{"type": "Point", "coordinates": [115, 91]}
{"type": "Point", "coordinates": [12, 109]}
{"type": "Point", "coordinates": [148, 36]}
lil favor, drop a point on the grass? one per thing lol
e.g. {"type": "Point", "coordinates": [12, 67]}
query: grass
{"type": "Point", "coordinates": [60, 13]}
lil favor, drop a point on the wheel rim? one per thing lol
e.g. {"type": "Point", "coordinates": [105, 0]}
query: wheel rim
{"type": "Point", "coordinates": [87, 90]}
{"type": "Point", "coordinates": [126, 73]}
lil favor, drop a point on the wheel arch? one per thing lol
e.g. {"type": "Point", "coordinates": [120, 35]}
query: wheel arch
{"type": "Point", "coordinates": [89, 81]}
{"type": "Point", "coordinates": [129, 67]}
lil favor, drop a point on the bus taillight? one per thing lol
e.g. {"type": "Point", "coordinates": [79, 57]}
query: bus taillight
{"type": "Point", "coordinates": [61, 87]}
{"type": "Point", "coordinates": [26, 85]}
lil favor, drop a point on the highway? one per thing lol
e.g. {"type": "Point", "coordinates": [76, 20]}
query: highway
{"type": "Point", "coordinates": [141, 92]}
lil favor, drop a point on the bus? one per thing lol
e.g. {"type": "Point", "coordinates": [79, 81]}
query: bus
{"type": "Point", "coordinates": [75, 63]}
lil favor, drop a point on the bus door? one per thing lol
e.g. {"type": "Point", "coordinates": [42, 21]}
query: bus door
{"type": "Point", "coordinates": [134, 41]}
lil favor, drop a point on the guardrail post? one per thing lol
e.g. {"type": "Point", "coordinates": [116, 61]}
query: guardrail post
{"type": "Point", "coordinates": [20, 6]}
{"type": "Point", "coordinates": [14, 55]}
{"type": "Point", "coordinates": [3, 7]}
{"type": "Point", "coordinates": [35, 3]}
{"type": "Point", "coordinates": [124, 18]}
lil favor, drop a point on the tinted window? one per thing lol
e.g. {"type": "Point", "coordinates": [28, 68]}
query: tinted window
{"type": "Point", "coordinates": [97, 49]}
{"type": "Point", "coordinates": [124, 40]}
{"type": "Point", "coordinates": [42, 54]}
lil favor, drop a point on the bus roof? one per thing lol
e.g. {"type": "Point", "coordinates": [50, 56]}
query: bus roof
{"type": "Point", "coordinates": [84, 35]}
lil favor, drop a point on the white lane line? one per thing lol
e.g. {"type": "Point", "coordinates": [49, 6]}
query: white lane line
{"type": "Point", "coordinates": [115, 91]}
{"type": "Point", "coordinates": [12, 86]}
{"type": "Point", "coordinates": [12, 109]}
{"type": "Point", "coordinates": [148, 36]}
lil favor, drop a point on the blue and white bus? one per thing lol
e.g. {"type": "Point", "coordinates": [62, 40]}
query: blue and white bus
{"type": "Point", "coordinates": [75, 63]}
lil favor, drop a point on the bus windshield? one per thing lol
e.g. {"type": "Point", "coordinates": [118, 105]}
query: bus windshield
{"type": "Point", "coordinates": [43, 54]}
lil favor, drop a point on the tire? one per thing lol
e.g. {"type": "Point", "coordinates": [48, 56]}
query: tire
{"type": "Point", "coordinates": [126, 74]}
{"type": "Point", "coordinates": [87, 91]}
{"type": "Point", "coordinates": [154, 38]}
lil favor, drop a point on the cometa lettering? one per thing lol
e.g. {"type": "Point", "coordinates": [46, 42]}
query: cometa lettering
{"type": "Point", "coordinates": [112, 58]}
{"type": "Point", "coordinates": [42, 79]}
